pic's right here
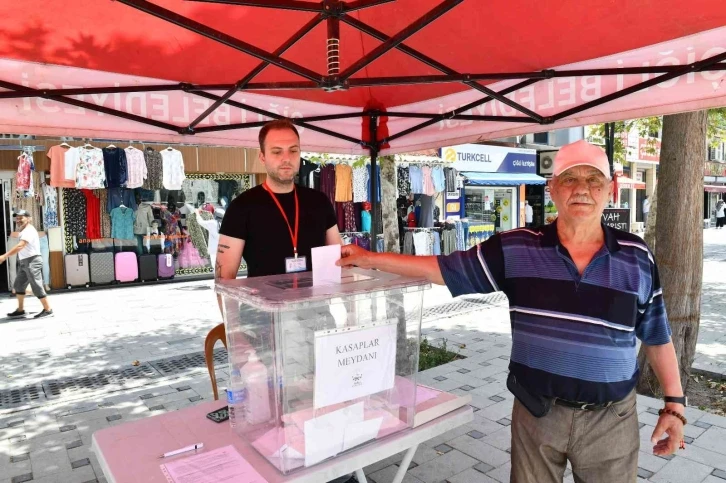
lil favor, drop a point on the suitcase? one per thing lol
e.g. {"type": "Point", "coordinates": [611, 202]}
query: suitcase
{"type": "Point", "coordinates": [57, 272]}
{"type": "Point", "coordinates": [166, 266]}
{"type": "Point", "coordinates": [102, 268]}
{"type": "Point", "coordinates": [127, 268]}
{"type": "Point", "coordinates": [147, 268]}
{"type": "Point", "coordinates": [77, 273]}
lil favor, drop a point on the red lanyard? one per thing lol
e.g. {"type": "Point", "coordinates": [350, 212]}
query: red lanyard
{"type": "Point", "coordinates": [293, 236]}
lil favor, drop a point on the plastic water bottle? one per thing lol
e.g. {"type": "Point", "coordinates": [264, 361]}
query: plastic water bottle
{"type": "Point", "coordinates": [236, 395]}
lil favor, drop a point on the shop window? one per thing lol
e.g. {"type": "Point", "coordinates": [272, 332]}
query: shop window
{"type": "Point", "coordinates": [541, 138]}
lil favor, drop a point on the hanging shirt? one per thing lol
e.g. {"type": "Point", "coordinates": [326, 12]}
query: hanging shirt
{"type": "Point", "coordinates": [50, 210]}
{"type": "Point", "coordinates": [210, 224]}
{"type": "Point", "coordinates": [155, 170]}
{"type": "Point", "coordinates": [144, 219]}
{"type": "Point", "coordinates": [173, 169]}
{"type": "Point", "coordinates": [428, 181]}
{"type": "Point", "coordinates": [450, 174]}
{"type": "Point", "coordinates": [93, 215]}
{"type": "Point", "coordinates": [360, 184]}
{"type": "Point", "coordinates": [122, 223]}
{"type": "Point", "coordinates": [22, 176]}
{"type": "Point", "coordinates": [114, 161]}
{"type": "Point", "coordinates": [303, 176]}
{"type": "Point", "coordinates": [343, 183]}
{"type": "Point", "coordinates": [327, 182]}
{"type": "Point", "coordinates": [72, 158]}
{"type": "Point", "coordinates": [416, 176]}
{"type": "Point", "coordinates": [404, 182]}
{"type": "Point", "coordinates": [74, 204]}
{"type": "Point", "coordinates": [136, 167]}
{"type": "Point", "coordinates": [437, 174]}
{"type": "Point", "coordinates": [90, 170]}
{"type": "Point", "coordinates": [365, 221]}
{"type": "Point", "coordinates": [120, 196]}
{"type": "Point", "coordinates": [58, 179]}
{"type": "Point", "coordinates": [378, 183]}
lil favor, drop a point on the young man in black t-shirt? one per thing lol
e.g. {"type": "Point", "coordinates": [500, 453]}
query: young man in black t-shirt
{"type": "Point", "coordinates": [260, 224]}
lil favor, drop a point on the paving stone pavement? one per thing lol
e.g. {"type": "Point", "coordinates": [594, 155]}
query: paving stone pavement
{"type": "Point", "coordinates": [49, 441]}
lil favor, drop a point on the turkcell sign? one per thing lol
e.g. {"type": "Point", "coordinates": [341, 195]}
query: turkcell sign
{"type": "Point", "coordinates": [490, 159]}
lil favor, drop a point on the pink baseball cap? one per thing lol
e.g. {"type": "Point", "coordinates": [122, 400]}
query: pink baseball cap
{"type": "Point", "coordinates": [581, 153]}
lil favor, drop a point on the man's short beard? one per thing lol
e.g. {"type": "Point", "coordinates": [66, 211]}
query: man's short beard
{"type": "Point", "coordinates": [277, 179]}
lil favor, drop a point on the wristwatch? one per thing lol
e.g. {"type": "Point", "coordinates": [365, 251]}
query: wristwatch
{"type": "Point", "coordinates": [678, 400]}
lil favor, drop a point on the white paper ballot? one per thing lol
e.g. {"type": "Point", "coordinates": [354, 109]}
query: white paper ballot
{"type": "Point", "coordinates": [325, 271]}
{"type": "Point", "coordinates": [325, 435]}
{"type": "Point", "coordinates": [359, 433]}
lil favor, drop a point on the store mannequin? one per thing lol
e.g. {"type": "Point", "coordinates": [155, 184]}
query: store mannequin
{"type": "Point", "coordinates": [213, 229]}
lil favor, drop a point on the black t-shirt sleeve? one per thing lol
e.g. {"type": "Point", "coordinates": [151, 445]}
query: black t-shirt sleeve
{"type": "Point", "coordinates": [235, 221]}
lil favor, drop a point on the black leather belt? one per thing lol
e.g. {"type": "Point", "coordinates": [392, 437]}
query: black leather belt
{"type": "Point", "coordinates": [582, 406]}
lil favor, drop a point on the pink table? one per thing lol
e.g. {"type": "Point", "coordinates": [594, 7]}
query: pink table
{"type": "Point", "coordinates": [130, 452]}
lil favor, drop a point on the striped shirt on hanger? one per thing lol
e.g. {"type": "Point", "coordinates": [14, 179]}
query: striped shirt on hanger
{"type": "Point", "coordinates": [574, 337]}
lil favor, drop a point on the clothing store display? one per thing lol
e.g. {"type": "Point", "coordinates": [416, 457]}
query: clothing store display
{"type": "Point", "coordinates": [74, 205]}
{"type": "Point", "coordinates": [23, 174]}
{"type": "Point", "coordinates": [31, 204]}
{"type": "Point", "coordinates": [57, 156]}
{"type": "Point", "coordinates": [343, 183]}
{"type": "Point", "coordinates": [154, 170]}
{"type": "Point", "coordinates": [93, 215]}
{"type": "Point", "coordinates": [315, 180]}
{"type": "Point", "coordinates": [120, 196]}
{"type": "Point", "coordinates": [437, 175]}
{"type": "Point", "coordinates": [210, 188]}
{"type": "Point", "coordinates": [76, 269]}
{"type": "Point", "coordinates": [136, 167]}
{"type": "Point", "coordinates": [436, 243]}
{"type": "Point", "coordinates": [122, 223]}
{"type": "Point", "coordinates": [403, 181]}
{"type": "Point", "coordinates": [55, 239]}
{"type": "Point", "coordinates": [365, 221]}
{"type": "Point", "coordinates": [349, 213]}
{"type": "Point", "coordinates": [303, 176]}
{"type": "Point", "coordinates": [416, 176]}
{"type": "Point", "coordinates": [116, 166]}
{"type": "Point", "coordinates": [102, 268]}
{"type": "Point", "coordinates": [340, 216]}
{"type": "Point", "coordinates": [173, 168]}
{"type": "Point", "coordinates": [428, 181]}
{"type": "Point", "coordinates": [148, 267]}
{"type": "Point", "coordinates": [378, 183]}
{"type": "Point", "coordinates": [422, 243]}
{"type": "Point", "coordinates": [197, 234]}
{"type": "Point", "coordinates": [327, 182]}
{"type": "Point", "coordinates": [50, 208]}
{"type": "Point", "coordinates": [426, 217]}
{"type": "Point", "coordinates": [450, 175]}
{"type": "Point", "coordinates": [172, 231]}
{"type": "Point", "coordinates": [165, 267]}
{"type": "Point", "coordinates": [228, 188]}
{"type": "Point", "coordinates": [90, 170]}
{"type": "Point", "coordinates": [72, 158]}
{"type": "Point", "coordinates": [105, 217]}
{"type": "Point", "coordinates": [144, 219]}
{"type": "Point", "coordinates": [360, 184]}
{"type": "Point", "coordinates": [189, 255]}
{"type": "Point", "coordinates": [255, 217]}
{"type": "Point", "coordinates": [411, 219]}
{"type": "Point", "coordinates": [408, 243]}
{"type": "Point", "coordinates": [448, 241]}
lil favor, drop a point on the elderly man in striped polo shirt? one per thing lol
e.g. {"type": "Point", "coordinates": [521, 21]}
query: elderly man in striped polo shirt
{"type": "Point", "coordinates": [579, 293]}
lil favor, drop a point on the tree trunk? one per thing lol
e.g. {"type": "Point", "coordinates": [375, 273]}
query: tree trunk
{"type": "Point", "coordinates": [388, 204]}
{"type": "Point", "coordinates": [652, 218]}
{"type": "Point", "coordinates": [679, 237]}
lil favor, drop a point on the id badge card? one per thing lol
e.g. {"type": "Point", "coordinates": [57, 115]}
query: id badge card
{"type": "Point", "coordinates": [294, 265]}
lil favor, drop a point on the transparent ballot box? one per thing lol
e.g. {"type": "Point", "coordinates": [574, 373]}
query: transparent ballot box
{"type": "Point", "coordinates": [318, 370]}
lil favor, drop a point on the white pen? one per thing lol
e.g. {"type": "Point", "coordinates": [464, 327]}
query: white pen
{"type": "Point", "coordinates": [185, 449]}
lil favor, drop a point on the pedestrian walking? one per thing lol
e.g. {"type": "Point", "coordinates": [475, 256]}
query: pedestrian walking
{"type": "Point", "coordinates": [720, 214]}
{"type": "Point", "coordinates": [30, 266]}
{"type": "Point", "coordinates": [579, 292]}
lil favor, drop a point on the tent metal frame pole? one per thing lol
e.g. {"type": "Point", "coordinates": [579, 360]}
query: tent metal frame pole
{"type": "Point", "coordinates": [276, 4]}
{"type": "Point", "coordinates": [246, 79]}
{"type": "Point", "coordinates": [94, 107]}
{"type": "Point", "coordinates": [361, 4]}
{"type": "Point", "coordinates": [222, 38]}
{"type": "Point", "coordinates": [694, 67]}
{"type": "Point", "coordinates": [374, 147]}
{"type": "Point", "coordinates": [393, 42]}
{"type": "Point", "coordinates": [272, 115]}
{"type": "Point", "coordinates": [455, 112]}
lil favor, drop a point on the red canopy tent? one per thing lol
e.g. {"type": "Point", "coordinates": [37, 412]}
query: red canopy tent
{"type": "Point", "coordinates": [357, 76]}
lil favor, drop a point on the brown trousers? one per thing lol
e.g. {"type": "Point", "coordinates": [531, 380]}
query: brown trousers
{"type": "Point", "coordinates": [602, 445]}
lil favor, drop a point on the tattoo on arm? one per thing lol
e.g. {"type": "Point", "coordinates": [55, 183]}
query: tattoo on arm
{"type": "Point", "coordinates": [223, 246]}
{"type": "Point", "coordinates": [218, 270]}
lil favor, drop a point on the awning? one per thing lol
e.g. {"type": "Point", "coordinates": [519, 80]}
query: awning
{"type": "Point", "coordinates": [502, 179]}
{"type": "Point", "coordinates": [356, 75]}
{"type": "Point", "coordinates": [628, 183]}
{"type": "Point", "coordinates": [710, 188]}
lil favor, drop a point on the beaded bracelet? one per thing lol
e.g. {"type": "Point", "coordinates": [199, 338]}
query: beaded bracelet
{"type": "Point", "coordinates": [673, 413]}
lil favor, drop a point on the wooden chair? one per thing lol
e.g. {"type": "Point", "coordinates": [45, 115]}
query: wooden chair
{"type": "Point", "coordinates": [218, 333]}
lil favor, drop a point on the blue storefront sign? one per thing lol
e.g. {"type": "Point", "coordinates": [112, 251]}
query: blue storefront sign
{"type": "Point", "coordinates": [490, 159]}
